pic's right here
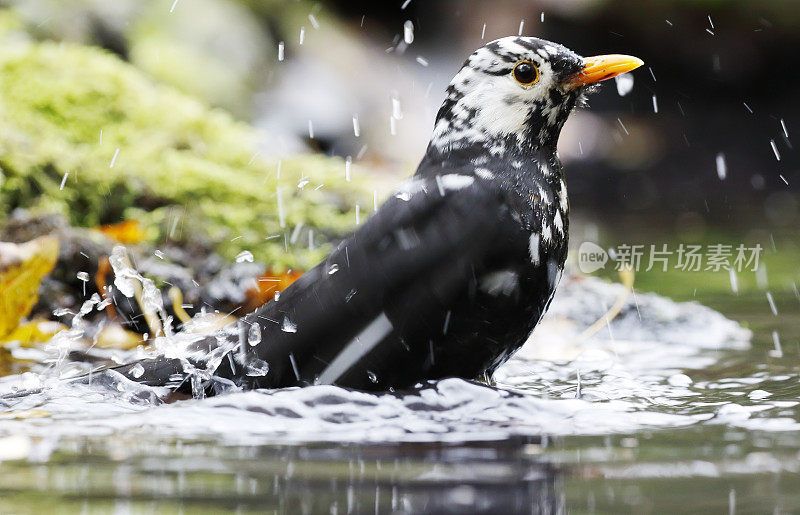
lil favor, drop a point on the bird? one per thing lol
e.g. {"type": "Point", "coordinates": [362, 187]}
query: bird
{"type": "Point", "coordinates": [449, 277]}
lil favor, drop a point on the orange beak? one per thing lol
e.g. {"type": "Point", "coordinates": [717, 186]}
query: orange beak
{"type": "Point", "coordinates": [602, 67]}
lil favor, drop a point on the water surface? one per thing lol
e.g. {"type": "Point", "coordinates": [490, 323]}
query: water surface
{"type": "Point", "coordinates": [664, 411]}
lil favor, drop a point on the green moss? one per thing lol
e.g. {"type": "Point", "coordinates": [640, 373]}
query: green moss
{"type": "Point", "coordinates": [190, 171]}
{"type": "Point", "coordinates": [10, 22]}
{"type": "Point", "coordinates": [211, 49]}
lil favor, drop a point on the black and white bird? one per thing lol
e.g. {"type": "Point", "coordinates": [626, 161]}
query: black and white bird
{"type": "Point", "coordinates": [450, 276]}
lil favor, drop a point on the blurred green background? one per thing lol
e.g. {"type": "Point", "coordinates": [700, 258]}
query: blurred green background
{"type": "Point", "coordinates": [290, 80]}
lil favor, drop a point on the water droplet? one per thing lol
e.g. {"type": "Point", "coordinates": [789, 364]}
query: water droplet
{"type": "Point", "coordinates": [408, 32]}
{"type": "Point", "coordinates": [257, 367]}
{"type": "Point", "coordinates": [254, 335]}
{"type": "Point", "coordinates": [397, 111]}
{"type": "Point", "coordinates": [722, 168]}
{"type": "Point", "coordinates": [777, 352]}
{"type": "Point", "coordinates": [775, 149]}
{"type": "Point", "coordinates": [288, 326]}
{"type": "Point", "coordinates": [333, 269]}
{"type": "Point", "coordinates": [244, 256]}
{"type": "Point", "coordinates": [123, 274]}
{"type": "Point", "coordinates": [624, 84]}
{"type": "Point", "coordinates": [372, 376]}
{"type": "Point", "coordinates": [772, 306]}
{"type": "Point", "coordinates": [136, 371]}
{"type": "Point", "coordinates": [86, 307]}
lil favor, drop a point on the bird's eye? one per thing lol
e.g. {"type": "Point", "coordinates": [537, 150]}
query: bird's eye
{"type": "Point", "coordinates": [526, 73]}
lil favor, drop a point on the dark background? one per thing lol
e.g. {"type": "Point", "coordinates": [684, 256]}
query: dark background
{"type": "Point", "coordinates": [702, 82]}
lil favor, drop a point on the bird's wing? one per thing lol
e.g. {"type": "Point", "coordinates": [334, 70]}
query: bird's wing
{"type": "Point", "coordinates": [404, 266]}
{"type": "Point", "coordinates": [424, 247]}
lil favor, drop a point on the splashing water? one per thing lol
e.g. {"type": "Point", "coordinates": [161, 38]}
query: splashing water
{"type": "Point", "coordinates": [287, 326]}
{"type": "Point", "coordinates": [254, 335]}
{"type": "Point", "coordinates": [627, 381]}
{"type": "Point", "coordinates": [244, 256]}
{"type": "Point", "coordinates": [659, 366]}
{"type": "Point", "coordinates": [126, 279]}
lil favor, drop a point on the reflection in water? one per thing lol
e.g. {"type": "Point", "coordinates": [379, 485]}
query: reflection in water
{"type": "Point", "coordinates": [479, 477]}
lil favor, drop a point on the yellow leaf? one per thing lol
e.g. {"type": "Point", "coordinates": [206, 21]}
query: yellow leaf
{"type": "Point", "coordinates": [208, 323]}
{"type": "Point", "coordinates": [128, 231]}
{"type": "Point", "coordinates": [22, 267]}
{"type": "Point", "coordinates": [24, 414]}
{"type": "Point", "coordinates": [28, 334]}
{"type": "Point", "coordinates": [114, 336]}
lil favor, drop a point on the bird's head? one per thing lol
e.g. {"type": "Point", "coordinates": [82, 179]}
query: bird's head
{"type": "Point", "coordinates": [514, 95]}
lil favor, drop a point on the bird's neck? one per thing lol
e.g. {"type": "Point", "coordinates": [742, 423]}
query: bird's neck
{"type": "Point", "coordinates": [473, 132]}
{"type": "Point", "coordinates": [522, 164]}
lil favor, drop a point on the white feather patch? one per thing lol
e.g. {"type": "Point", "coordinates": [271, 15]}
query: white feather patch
{"type": "Point", "coordinates": [409, 188]}
{"type": "Point", "coordinates": [483, 173]}
{"type": "Point", "coordinates": [544, 196]}
{"type": "Point", "coordinates": [503, 282]}
{"type": "Point", "coordinates": [358, 347]}
{"type": "Point", "coordinates": [454, 181]}
{"type": "Point", "coordinates": [547, 233]}
{"type": "Point", "coordinates": [533, 248]}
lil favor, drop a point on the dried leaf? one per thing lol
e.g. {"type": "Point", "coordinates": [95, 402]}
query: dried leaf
{"type": "Point", "coordinates": [267, 285]}
{"type": "Point", "coordinates": [207, 323]}
{"type": "Point", "coordinates": [22, 268]}
{"type": "Point", "coordinates": [128, 231]}
{"type": "Point", "coordinates": [7, 362]}
{"type": "Point", "coordinates": [114, 336]}
{"type": "Point", "coordinates": [29, 334]}
{"type": "Point", "coordinates": [103, 269]}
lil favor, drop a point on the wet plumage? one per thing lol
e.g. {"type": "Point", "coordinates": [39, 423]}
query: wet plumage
{"type": "Point", "coordinates": [450, 276]}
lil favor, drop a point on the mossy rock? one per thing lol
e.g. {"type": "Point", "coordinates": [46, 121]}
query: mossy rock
{"type": "Point", "coordinates": [214, 50]}
{"type": "Point", "coordinates": [133, 148]}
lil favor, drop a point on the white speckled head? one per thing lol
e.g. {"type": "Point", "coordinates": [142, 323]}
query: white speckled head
{"type": "Point", "coordinates": [490, 99]}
